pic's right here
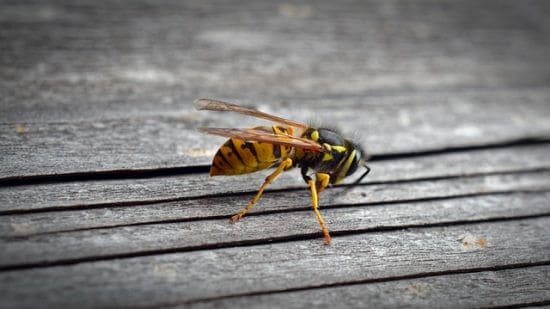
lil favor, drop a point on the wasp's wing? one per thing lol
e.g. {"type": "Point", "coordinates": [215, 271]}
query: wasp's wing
{"type": "Point", "coordinates": [214, 105]}
{"type": "Point", "coordinates": [259, 135]}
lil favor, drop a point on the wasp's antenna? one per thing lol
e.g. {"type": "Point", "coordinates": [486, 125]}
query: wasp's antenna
{"type": "Point", "coordinates": [362, 176]}
{"type": "Point", "coordinates": [347, 188]}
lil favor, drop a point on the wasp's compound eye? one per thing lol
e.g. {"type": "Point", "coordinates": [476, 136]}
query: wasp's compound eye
{"type": "Point", "coordinates": [356, 161]}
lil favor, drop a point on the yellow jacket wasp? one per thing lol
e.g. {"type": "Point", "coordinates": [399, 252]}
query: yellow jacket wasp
{"type": "Point", "coordinates": [285, 145]}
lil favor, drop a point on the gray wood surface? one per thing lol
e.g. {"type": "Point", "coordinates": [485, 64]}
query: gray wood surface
{"type": "Point", "coordinates": [478, 289]}
{"type": "Point", "coordinates": [67, 61]}
{"type": "Point", "coordinates": [145, 239]}
{"type": "Point", "coordinates": [454, 79]}
{"type": "Point", "coordinates": [411, 122]}
{"type": "Point", "coordinates": [202, 208]}
{"type": "Point", "coordinates": [105, 199]}
{"type": "Point", "coordinates": [190, 276]}
{"type": "Point", "coordinates": [101, 193]}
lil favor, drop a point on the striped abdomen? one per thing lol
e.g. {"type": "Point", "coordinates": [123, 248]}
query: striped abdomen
{"type": "Point", "coordinates": [239, 157]}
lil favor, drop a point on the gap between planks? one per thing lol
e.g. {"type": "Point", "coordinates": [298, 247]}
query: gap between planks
{"type": "Point", "coordinates": [145, 191]}
{"type": "Point", "coordinates": [196, 169]}
{"type": "Point", "coordinates": [182, 285]}
{"type": "Point", "coordinates": [264, 241]}
{"type": "Point", "coordinates": [267, 212]}
{"type": "Point", "coordinates": [288, 189]}
{"type": "Point", "coordinates": [460, 271]}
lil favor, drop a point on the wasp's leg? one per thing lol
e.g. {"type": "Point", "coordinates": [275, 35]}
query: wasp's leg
{"type": "Point", "coordinates": [315, 203]}
{"type": "Point", "coordinates": [321, 181]}
{"type": "Point", "coordinates": [286, 164]}
{"type": "Point", "coordinates": [304, 174]}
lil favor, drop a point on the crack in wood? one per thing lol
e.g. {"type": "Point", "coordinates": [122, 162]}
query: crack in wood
{"type": "Point", "coordinates": [296, 209]}
{"type": "Point", "coordinates": [226, 194]}
{"type": "Point", "coordinates": [263, 241]}
{"type": "Point", "coordinates": [185, 170]}
{"type": "Point", "coordinates": [377, 280]}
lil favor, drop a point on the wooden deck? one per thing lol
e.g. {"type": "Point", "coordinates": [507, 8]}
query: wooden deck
{"type": "Point", "coordinates": [105, 198]}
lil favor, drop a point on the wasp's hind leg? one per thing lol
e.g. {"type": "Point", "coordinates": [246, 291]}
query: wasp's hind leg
{"type": "Point", "coordinates": [286, 164]}
{"type": "Point", "coordinates": [317, 186]}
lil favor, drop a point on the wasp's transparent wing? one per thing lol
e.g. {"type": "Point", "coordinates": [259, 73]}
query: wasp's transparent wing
{"type": "Point", "coordinates": [259, 135]}
{"type": "Point", "coordinates": [214, 105]}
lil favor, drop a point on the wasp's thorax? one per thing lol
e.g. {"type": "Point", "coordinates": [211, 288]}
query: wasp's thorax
{"type": "Point", "coordinates": [339, 159]}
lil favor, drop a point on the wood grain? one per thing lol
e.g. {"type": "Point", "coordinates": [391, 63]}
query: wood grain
{"type": "Point", "coordinates": [103, 193]}
{"type": "Point", "coordinates": [483, 289]}
{"type": "Point", "coordinates": [402, 124]}
{"type": "Point", "coordinates": [190, 276]}
{"type": "Point", "coordinates": [187, 235]}
{"type": "Point", "coordinates": [104, 196]}
{"type": "Point", "coordinates": [66, 61]}
{"type": "Point", "coordinates": [221, 207]}
{"type": "Point", "coordinates": [92, 98]}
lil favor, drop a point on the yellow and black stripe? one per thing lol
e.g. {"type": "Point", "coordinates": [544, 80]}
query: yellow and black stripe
{"type": "Point", "coordinates": [237, 157]}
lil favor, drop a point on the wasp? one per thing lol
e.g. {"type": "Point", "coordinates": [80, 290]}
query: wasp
{"type": "Point", "coordinates": [284, 145]}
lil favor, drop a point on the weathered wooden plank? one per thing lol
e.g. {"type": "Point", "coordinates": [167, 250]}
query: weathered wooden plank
{"type": "Point", "coordinates": [116, 59]}
{"type": "Point", "coordinates": [81, 91]}
{"type": "Point", "coordinates": [479, 289]}
{"type": "Point", "coordinates": [75, 194]}
{"type": "Point", "coordinates": [414, 122]}
{"type": "Point", "coordinates": [217, 207]}
{"type": "Point", "coordinates": [126, 240]}
{"type": "Point", "coordinates": [179, 277]}
{"type": "Point", "coordinates": [45, 80]}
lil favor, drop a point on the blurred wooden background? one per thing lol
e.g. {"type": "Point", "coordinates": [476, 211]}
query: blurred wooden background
{"type": "Point", "coordinates": [105, 198]}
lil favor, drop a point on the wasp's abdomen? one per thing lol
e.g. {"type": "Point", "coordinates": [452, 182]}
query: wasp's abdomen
{"type": "Point", "coordinates": [237, 157]}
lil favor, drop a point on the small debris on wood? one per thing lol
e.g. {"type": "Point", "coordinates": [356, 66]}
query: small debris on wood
{"type": "Point", "coordinates": [470, 241]}
{"type": "Point", "coordinates": [21, 128]}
